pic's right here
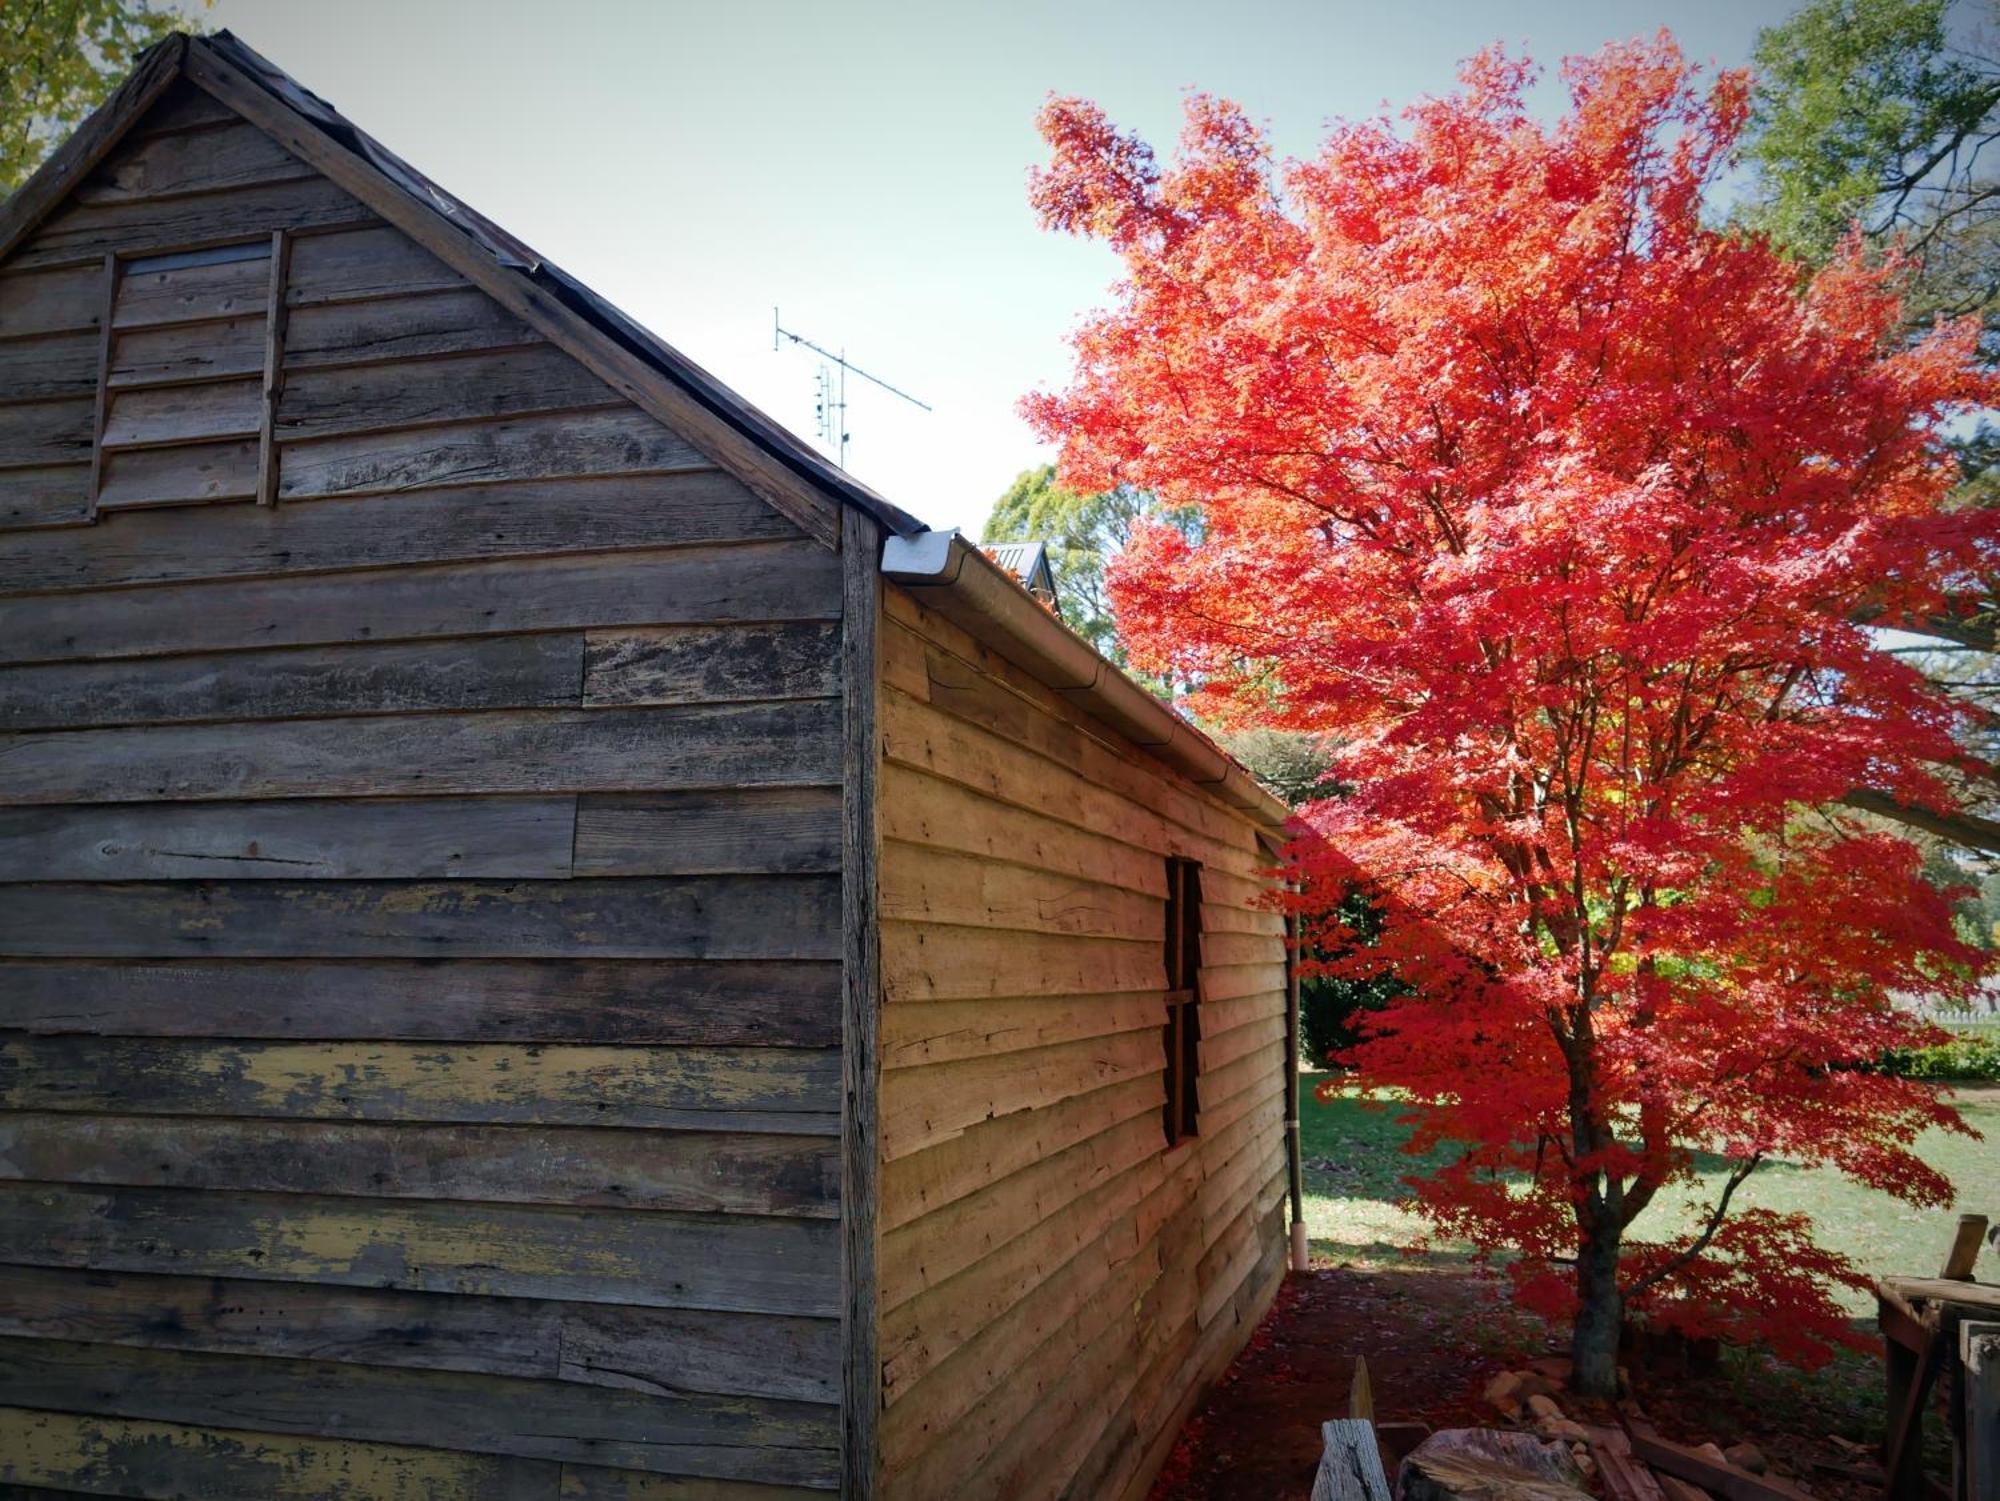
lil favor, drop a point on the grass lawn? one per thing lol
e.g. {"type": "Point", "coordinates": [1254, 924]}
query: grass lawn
{"type": "Point", "coordinates": [1351, 1150]}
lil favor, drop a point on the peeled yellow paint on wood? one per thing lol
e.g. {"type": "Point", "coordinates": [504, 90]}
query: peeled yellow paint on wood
{"type": "Point", "coordinates": [162, 1459]}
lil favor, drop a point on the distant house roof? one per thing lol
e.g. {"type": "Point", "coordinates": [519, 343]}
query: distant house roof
{"type": "Point", "coordinates": [1029, 563]}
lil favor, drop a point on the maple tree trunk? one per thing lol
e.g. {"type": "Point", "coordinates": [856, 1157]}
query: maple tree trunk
{"type": "Point", "coordinates": [1600, 1312]}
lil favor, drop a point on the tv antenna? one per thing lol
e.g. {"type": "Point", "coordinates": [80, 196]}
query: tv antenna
{"type": "Point", "coordinates": [830, 388]}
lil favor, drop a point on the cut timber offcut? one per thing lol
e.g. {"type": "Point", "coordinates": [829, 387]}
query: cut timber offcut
{"type": "Point", "coordinates": [1350, 1466]}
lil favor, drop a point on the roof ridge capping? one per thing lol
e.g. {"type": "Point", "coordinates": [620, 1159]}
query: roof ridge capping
{"type": "Point", "coordinates": [958, 580]}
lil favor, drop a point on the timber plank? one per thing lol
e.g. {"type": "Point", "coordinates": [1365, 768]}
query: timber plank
{"type": "Point", "coordinates": [918, 737]}
{"type": "Point", "coordinates": [374, 839]}
{"type": "Point", "coordinates": [930, 886]}
{"type": "Point", "coordinates": [660, 1350]}
{"type": "Point", "coordinates": [991, 1352]}
{"type": "Point", "coordinates": [395, 328]}
{"type": "Point", "coordinates": [204, 412]}
{"type": "Point", "coordinates": [189, 294]}
{"type": "Point", "coordinates": [861, 1006]}
{"type": "Point", "coordinates": [1002, 1300]}
{"type": "Point", "coordinates": [968, 680]}
{"type": "Point", "coordinates": [181, 106]}
{"type": "Point", "coordinates": [1230, 949]}
{"type": "Point", "coordinates": [712, 664]}
{"type": "Point", "coordinates": [211, 351]}
{"type": "Point", "coordinates": [689, 1433]}
{"type": "Point", "coordinates": [1093, 1355]}
{"type": "Point", "coordinates": [368, 260]}
{"type": "Point", "coordinates": [983, 690]}
{"type": "Point", "coordinates": [501, 521]}
{"type": "Point", "coordinates": [200, 161]}
{"type": "Point", "coordinates": [780, 1090]}
{"type": "Point", "coordinates": [992, 1151]}
{"type": "Point", "coordinates": [1219, 1017]}
{"type": "Point", "coordinates": [1234, 982]}
{"type": "Point", "coordinates": [921, 809]}
{"type": "Point", "coordinates": [1267, 1032]}
{"type": "Point", "coordinates": [56, 365]}
{"type": "Point", "coordinates": [48, 302]}
{"type": "Point", "coordinates": [163, 1461]}
{"type": "Point", "coordinates": [665, 1350]}
{"type": "Point", "coordinates": [605, 1002]}
{"type": "Point", "coordinates": [948, 1242]}
{"type": "Point", "coordinates": [322, 403]}
{"type": "Point", "coordinates": [186, 474]}
{"type": "Point", "coordinates": [36, 434]}
{"type": "Point", "coordinates": [592, 1483]}
{"type": "Point", "coordinates": [271, 384]}
{"type": "Point", "coordinates": [937, 1103]}
{"type": "Point", "coordinates": [695, 917]}
{"type": "Point", "coordinates": [657, 1260]}
{"type": "Point", "coordinates": [792, 743]}
{"type": "Point", "coordinates": [933, 962]}
{"type": "Point", "coordinates": [497, 672]}
{"type": "Point", "coordinates": [585, 1167]}
{"type": "Point", "coordinates": [1241, 1165]}
{"type": "Point", "coordinates": [775, 830]}
{"type": "Point", "coordinates": [615, 440]}
{"type": "Point", "coordinates": [55, 496]}
{"type": "Point", "coordinates": [91, 229]}
{"type": "Point", "coordinates": [949, 1031]}
{"type": "Point", "coordinates": [1244, 1076]}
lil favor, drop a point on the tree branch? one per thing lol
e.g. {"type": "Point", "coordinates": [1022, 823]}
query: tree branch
{"type": "Point", "coordinates": [1967, 829]}
{"type": "Point", "coordinates": [1979, 633]}
{"type": "Point", "coordinates": [1701, 1241]}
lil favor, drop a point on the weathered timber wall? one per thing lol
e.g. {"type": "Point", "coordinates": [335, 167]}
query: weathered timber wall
{"type": "Point", "coordinates": [1055, 1287]}
{"type": "Point", "coordinates": [420, 951]}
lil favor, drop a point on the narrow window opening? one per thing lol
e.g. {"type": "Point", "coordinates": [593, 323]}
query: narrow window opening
{"type": "Point", "coordinates": [1181, 1036]}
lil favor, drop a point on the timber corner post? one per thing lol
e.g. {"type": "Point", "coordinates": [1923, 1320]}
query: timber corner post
{"type": "Point", "coordinates": [1300, 1249]}
{"type": "Point", "coordinates": [861, 992]}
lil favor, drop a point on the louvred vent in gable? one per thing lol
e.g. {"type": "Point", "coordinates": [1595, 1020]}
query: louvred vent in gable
{"type": "Point", "coordinates": [188, 375]}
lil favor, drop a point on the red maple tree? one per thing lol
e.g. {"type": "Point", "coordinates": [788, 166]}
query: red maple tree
{"type": "Point", "coordinates": [1554, 505]}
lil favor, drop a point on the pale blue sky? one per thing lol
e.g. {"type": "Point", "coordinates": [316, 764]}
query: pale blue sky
{"type": "Point", "coordinates": [862, 164]}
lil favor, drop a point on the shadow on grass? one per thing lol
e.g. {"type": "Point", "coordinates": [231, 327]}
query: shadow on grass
{"type": "Point", "coordinates": [1353, 1148]}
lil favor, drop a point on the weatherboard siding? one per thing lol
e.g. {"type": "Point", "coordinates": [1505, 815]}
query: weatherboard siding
{"type": "Point", "coordinates": [420, 950]}
{"type": "Point", "coordinates": [1055, 1288]}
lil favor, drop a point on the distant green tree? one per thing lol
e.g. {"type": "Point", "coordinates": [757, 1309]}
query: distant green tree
{"type": "Point", "coordinates": [1877, 113]}
{"type": "Point", "coordinates": [1334, 1011]}
{"type": "Point", "coordinates": [59, 60]}
{"type": "Point", "coordinates": [1292, 763]}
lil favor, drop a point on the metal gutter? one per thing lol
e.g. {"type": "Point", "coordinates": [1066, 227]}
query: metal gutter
{"type": "Point", "coordinates": [953, 577]}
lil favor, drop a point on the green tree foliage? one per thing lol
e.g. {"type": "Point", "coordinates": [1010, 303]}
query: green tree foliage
{"type": "Point", "coordinates": [1877, 113]}
{"type": "Point", "coordinates": [1334, 1011]}
{"type": "Point", "coordinates": [59, 59]}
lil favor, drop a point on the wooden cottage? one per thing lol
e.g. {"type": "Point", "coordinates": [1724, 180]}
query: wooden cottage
{"type": "Point", "coordinates": [556, 946]}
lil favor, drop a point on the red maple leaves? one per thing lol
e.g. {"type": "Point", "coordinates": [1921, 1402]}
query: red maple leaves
{"type": "Point", "coordinates": [1556, 505]}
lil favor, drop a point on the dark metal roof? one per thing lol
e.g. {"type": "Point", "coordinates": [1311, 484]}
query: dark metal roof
{"type": "Point", "coordinates": [512, 255]}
